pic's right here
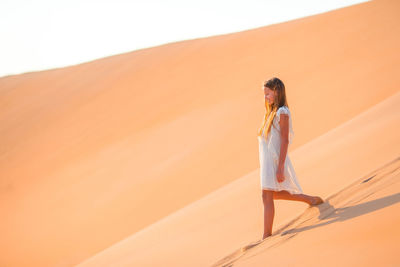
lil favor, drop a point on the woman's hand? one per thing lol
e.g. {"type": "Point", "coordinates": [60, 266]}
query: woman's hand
{"type": "Point", "coordinates": [280, 174]}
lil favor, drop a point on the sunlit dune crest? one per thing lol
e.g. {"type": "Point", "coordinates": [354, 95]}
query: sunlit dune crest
{"type": "Point", "coordinates": [150, 158]}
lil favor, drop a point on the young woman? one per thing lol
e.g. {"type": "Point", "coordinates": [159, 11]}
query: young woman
{"type": "Point", "coordinates": [277, 175]}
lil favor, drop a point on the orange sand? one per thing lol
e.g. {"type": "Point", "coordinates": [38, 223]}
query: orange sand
{"type": "Point", "coordinates": [150, 158]}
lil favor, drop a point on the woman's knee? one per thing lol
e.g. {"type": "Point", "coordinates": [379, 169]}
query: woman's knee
{"type": "Point", "coordinates": [267, 195]}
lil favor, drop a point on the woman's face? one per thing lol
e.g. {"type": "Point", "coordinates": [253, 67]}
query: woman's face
{"type": "Point", "coordinates": [269, 95]}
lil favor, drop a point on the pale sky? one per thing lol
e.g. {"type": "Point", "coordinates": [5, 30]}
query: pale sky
{"type": "Point", "coordinates": [45, 34]}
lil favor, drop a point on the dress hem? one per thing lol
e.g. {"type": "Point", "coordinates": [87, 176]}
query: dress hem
{"type": "Point", "coordinates": [277, 190]}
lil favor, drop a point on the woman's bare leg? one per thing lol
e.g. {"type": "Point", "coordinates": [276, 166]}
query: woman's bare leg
{"type": "Point", "coordinates": [269, 211]}
{"type": "Point", "coordinates": [268, 197]}
{"type": "Point", "coordinates": [296, 197]}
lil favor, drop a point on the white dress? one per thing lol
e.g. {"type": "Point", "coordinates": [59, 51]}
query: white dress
{"type": "Point", "coordinates": [269, 151]}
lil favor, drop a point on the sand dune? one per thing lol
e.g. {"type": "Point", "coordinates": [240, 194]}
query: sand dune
{"type": "Point", "coordinates": [334, 228]}
{"type": "Point", "coordinates": [230, 218]}
{"type": "Point", "coordinates": [147, 145]}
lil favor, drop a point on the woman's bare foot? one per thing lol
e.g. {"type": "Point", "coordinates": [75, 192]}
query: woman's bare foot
{"type": "Point", "coordinates": [315, 200]}
{"type": "Point", "coordinates": [266, 235]}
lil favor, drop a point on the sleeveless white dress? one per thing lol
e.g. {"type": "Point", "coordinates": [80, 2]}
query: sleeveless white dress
{"type": "Point", "coordinates": [269, 151]}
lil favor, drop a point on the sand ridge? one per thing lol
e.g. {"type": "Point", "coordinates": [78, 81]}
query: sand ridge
{"type": "Point", "coordinates": [146, 156]}
{"type": "Point", "coordinates": [349, 199]}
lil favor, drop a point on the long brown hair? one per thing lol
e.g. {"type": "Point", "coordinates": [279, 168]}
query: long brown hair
{"type": "Point", "coordinates": [277, 85]}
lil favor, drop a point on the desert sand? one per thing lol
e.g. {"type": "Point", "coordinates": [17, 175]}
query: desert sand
{"type": "Point", "coordinates": [150, 158]}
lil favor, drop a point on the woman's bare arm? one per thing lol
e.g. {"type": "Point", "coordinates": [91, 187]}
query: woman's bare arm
{"type": "Point", "coordinates": [284, 125]}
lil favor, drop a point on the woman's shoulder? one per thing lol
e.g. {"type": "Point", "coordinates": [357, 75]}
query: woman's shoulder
{"type": "Point", "coordinates": [283, 110]}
